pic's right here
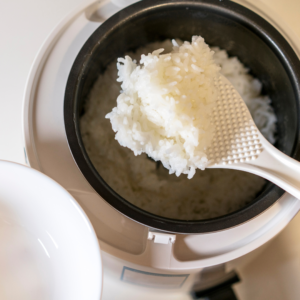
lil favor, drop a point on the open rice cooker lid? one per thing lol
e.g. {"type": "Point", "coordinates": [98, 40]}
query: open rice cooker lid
{"type": "Point", "coordinates": [225, 24]}
{"type": "Point", "coordinates": [46, 147]}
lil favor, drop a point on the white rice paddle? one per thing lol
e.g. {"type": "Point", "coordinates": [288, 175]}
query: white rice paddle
{"type": "Point", "coordinates": [239, 145]}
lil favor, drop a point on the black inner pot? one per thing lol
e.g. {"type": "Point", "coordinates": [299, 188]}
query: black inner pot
{"type": "Point", "coordinates": [222, 23]}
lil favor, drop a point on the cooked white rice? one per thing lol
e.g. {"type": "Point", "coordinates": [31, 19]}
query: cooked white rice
{"type": "Point", "coordinates": [165, 105]}
{"type": "Point", "coordinates": [211, 193]}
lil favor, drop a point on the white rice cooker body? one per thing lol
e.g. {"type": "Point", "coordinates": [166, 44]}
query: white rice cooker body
{"type": "Point", "coordinates": [131, 251]}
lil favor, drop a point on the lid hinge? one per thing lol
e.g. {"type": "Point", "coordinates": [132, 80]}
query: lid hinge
{"type": "Point", "coordinates": [161, 238]}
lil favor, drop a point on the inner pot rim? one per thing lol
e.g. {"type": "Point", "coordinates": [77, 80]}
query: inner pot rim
{"type": "Point", "coordinates": [71, 116]}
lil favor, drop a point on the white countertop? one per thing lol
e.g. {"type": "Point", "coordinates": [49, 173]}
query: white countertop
{"type": "Point", "coordinates": [25, 25]}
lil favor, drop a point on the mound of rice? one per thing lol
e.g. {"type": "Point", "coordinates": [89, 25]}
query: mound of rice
{"type": "Point", "coordinates": [165, 106]}
{"type": "Point", "coordinates": [212, 193]}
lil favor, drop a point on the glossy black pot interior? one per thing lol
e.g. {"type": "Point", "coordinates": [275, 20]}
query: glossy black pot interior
{"type": "Point", "coordinates": [222, 23]}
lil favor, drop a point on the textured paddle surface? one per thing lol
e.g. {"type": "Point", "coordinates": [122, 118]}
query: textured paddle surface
{"type": "Point", "coordinates": [236, 137]}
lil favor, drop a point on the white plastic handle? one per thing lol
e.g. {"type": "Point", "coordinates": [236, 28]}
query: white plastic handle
{"type": "Point", "coordinates": [274, 166]}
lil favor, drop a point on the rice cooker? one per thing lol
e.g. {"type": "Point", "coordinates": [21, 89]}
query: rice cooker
{"type": "Point", "coordinates": [144, 255]}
